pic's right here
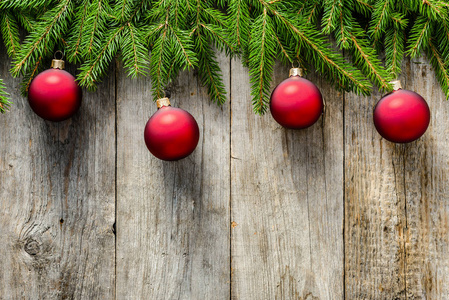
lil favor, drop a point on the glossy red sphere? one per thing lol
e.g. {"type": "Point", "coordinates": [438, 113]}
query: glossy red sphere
{"type": "Point", "coordinates": [171, 133]}
{"type": "Point", "coordinates": [296, 103]}
{"type": "Point", "coordinates": [401, 116]}
{"type": "Point", "coordinates": [54, 95]}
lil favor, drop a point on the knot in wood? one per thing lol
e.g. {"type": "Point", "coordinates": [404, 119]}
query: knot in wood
{"type": "Point", "coordinates": [32, 247]}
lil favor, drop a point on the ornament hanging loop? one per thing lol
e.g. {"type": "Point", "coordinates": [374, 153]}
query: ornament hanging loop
{"type": "Point", "coordinates": [59, 55]}
{"type": "Point", "coordinates": [57, 62]}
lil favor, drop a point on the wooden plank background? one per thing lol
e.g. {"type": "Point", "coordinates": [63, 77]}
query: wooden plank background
{"type": "Point", "coordinates": [256, 212]}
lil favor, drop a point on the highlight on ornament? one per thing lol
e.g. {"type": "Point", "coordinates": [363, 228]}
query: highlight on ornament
{"type": "Point", "coordinates": [401, 116]}
{"type": "Point", "coordinates": [296, 103]}
{"type": "Point", "coordinates": [171, 133]}
{"type": "Point", "coordinates": [54, 95]}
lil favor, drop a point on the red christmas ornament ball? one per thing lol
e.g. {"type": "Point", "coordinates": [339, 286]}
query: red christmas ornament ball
{"type": "Point", "coordinates": [401, 116]}
{"type": "Point", "coordinates": [54, 95]}
{"type": "Point", "coordinates": [171, 133]}
{"type": "Point", "coordinates": [296, 103]}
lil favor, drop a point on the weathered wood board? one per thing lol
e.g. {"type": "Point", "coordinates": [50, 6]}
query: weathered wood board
{"type": "Point", "coordinates": [256, 212]}
{"type": "Point", "coordinates": [396, 207]}
{"type": "Point", "coordinates": [57, 199]}
{"type": "Point", "coordinates": [286, 200]}
{"type": "Point", "coordinates": [374, 207]}
{"type": "Point", "coordinates": [173, 217]}
{"type": "Point", "coordinates": [426, 187]}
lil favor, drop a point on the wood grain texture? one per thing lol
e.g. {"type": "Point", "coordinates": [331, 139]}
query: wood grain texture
{"type": "Point", "coordinates": [374, 207]}
{"type": "Point", "coordinates": [396, 229]}
{"type": "Point", "coordinates": [425, 178]}
{"type": "Point", "coordinates": [57, 205]}
{"type": "Point", "coordinates": [287, 200]}
{"type": "Point", "coordinates": [173, 217]}
{"type": "Point", "coordinates": [256, 212]}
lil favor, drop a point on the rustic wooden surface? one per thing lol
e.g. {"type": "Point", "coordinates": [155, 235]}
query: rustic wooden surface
{"type": "Point", "coordinates": [57, 200]}
{"type": "Point", "coordinates": [172, 217]}
{"type": "Point", "coordinates": [286, 200]}
{"type": "Point", "coordinates": [426, 188]}
{"type": "Point", "coordinates": [256, 212]}
{"type": "Point", "coordinates": [374, 207]}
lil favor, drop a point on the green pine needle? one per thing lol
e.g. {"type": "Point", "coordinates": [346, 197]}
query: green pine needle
{"type": "Point", "coordinates": [96, 67]}
{"type": "Point", "coordinates": [40, 42]}
{"type": "Point", "coordinates": [419, 36]}
{"type": "Point", "coordinates": [380, 18]}
{"type": "Point", "coordinates": [238, 21]}
{"type": "Point", "coordinates": [134, 51]}
{"type": "Point", "coordinates": [440, 66]}
{"type": "Point", "coordinates": [10, 32]}
{"type": "Point", "coordinates": [262, 51]}
{"type": "Point", "coordinates": [394, 50]}
{"type": "Point", "coordinates": [160, 38]}
{"type": "Point", "coordinates": [4, 98]}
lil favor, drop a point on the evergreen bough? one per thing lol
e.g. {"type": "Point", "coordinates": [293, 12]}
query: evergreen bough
{"type": "Point", "coordinates": [160, 38]}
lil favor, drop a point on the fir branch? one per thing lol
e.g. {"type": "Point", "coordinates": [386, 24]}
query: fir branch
{"type": "Point", "coordinates": [419, 36]}
{"type": "Point", "coordinates": [137, 10]}
{"type": "Point", "coordinates": [380, 18]}
{"type": "Point", "coordinates": [74, 52]}
{"type": "Point", "coordinates": [210, 73]}
{"type": "Point", "coordinates": [342, 35]}
{"type": "Point", "coordinates": [352, 37]}
{"type": "Point", "coordinates": [399, 20]}
{"type": "Point", "coordinates": [332, 11]}
{"type": "Point", "coordinates": [433, 9]}
{"type": "Point", "coordinates": [96, 67]}
{"type": "Point", "coordinates": [172, 45]}
{"type": "Point", "coordinates": [335, 68]}
{"type": "Point", "coordinates": [4, 98]}
{"type": "Point", "coordinates": [183, 33]}
{"type": "Point", "coordinates": [442, 36]}
{"type": "Point", "coordinates": [10, 32]}
{"type": "Point", "coordinates": [238, 19]}
{"type": "Point", "coordinates": [134, 51]}
{"type": "Point", "coordinates": [178, 12]}
{"type": "Point", "coordinates": [160, 51]}
{"type": "Point", "coordinates": [285, 57]}
{"type": "Point", "coordinates": [394, 50]}
{"type": "Point", "coordinates": [95, 26]}
{"type": "Point", "coordinates": [183, 47]}
{"type": "Point", "coordinates": [218, 36]}
{"type": "Point", "coordinates": [125, 9]}
{"type": "Point", "coordinates": [326, 61]}
{"type": "Point", "coordinates": [302, 7]}
{"type": "Point", "coordinates": [29, 76]}
{"type": "Point", "coordinates": [213, 16]}
{"type": "Point", "coordinates": [26, 21]}
{"type": "Point", "coordinates": [312, 16]}
{"type": "Point", "coordinates": [365, 58]}
{"type": "Point", "coordinates": [204, 35]}
{"type": "Point", "coordinates": [440, 66]}
{"type": "Point", "coordinates": [261, 60]}
{"type": "Point", "coordinates": [24, 5]}
{"type": "Point", "coordinates": [53, 25]}
{"type": "Point", "coordinates": [362, 7]}
{"type": "Point", "coordinates": [408, 6]}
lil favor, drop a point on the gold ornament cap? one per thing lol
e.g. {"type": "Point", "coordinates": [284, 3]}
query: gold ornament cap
{"type": "Point", "coordinates": [163, 102]}
{"type": "Point", "coordinates": [295, 72]}
{"type": "Point", "coordinates": [57, 62]}
{"type": "Point", "coordinates": [396, 85]}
